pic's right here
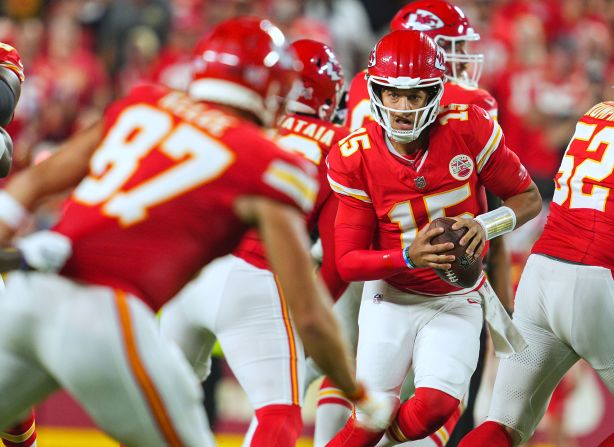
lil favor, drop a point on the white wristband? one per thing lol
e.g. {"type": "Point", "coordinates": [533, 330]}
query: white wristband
{"type": "Point", "coordinates": [12, 213]}
{"type": "Point", "coordinates": [497, 222]}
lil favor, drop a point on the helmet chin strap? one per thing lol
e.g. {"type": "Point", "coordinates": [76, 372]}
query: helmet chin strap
{"type": "Point", "coordinates": [403, 139]}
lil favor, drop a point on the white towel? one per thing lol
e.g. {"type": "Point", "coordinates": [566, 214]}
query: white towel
{"type": "Point", "coordinates": [505, 336]}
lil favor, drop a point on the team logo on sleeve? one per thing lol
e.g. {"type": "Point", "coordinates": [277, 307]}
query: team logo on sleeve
{"type": "Point", "coordinates": [461, 167]}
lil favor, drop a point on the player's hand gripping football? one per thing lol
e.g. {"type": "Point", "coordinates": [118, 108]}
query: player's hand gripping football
{"type": "Point", "coordinates": [421, 253]}
{"type": "Point", "coordinates": [375, 408]}
{"type": "Point", "coordinates": [474, 238]}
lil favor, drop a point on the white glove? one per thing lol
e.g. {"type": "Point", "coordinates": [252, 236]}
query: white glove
{"type": "Point", "coordinates": [45, 251]}
{"type": "Point", "coordinates": [317, 252]}
{"type": "Point", "coordinates": [374, 411]}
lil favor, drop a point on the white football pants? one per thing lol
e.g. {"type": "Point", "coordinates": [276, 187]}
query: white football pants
{"type": "Point", "coordinates": [240, 305]}
{"type": "Point", "coordinates": [103, 347]}
{"type": "Point", "coordinates": [565, 312]}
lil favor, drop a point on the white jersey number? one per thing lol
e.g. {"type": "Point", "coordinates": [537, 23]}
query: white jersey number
{"type": "Point", "coordinates": [435, 205]}
{"type": "Point", "coordinates": [139, 130]}
{"type": "Point", "coordinates": [571, 183]}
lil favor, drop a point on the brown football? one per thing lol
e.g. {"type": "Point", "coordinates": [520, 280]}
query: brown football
{"type": "Point", "coordinates": [465, 269]}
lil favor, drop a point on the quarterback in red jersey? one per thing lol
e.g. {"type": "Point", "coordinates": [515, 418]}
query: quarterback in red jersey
{"type": "Point", "coordinates": [392, 178]}
{"type": "Point", "coordinates": [565, 299]}
{"type": "Point", "coordinates": [252, 323]}
{"type": "Point", "coordinates": [166, 183]}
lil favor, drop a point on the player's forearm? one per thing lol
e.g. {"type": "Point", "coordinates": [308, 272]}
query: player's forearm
{"type": "Point", "coordinates": [525, 205]}
{"type": "Point", "coordinates": [62, 171]}
{"type": "Point", "coordinates": [368, 265]}
{"type": "Point", "coordinates": [286, 243]}
{"type": "Point", "coordinates": [324, 343]}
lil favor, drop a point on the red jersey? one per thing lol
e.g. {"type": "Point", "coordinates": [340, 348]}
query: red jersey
{"type": "Point", "coordinates": [466, 151]}
{"type": "Point", "coordinates": [157, 204]}
{"type": "Point", "coordinates": [359, 106]}
{"type": "Point", "coordinates": [312, 138]}
{"type": "Point", "coordinates": [9, 58]}
{"type": "Point", "coordinates": [454, 93]}
{"type": "Point", "coordinates": [581, 220]}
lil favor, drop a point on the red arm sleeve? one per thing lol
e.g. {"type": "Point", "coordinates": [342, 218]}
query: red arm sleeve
{"type": "Point", "coordinates": [326, 228]}
{"type": "Point", "coordinates": [354, 227]}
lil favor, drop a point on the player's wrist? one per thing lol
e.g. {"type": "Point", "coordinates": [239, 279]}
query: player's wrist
{"type": "Point", "coordinates": [408, 261]}
{"type": "Point", "coordinates": [12, 213]}
{"type": "Point", "coordinates": [497, 222]}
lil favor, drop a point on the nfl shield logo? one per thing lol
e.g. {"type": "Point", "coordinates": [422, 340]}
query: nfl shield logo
{"type": "Point", "coordinates": [420, 182]}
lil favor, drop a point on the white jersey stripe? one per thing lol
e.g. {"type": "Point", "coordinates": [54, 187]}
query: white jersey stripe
{"type": "Point", "coordinates": [490, 147]}
{"type": "Point", "coordinates": [347, 191]}
{"type": "Point", "coordinates": [292, 182]}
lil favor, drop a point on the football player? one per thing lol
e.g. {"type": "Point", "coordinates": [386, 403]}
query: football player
{"type": "Point", "coordinates": [22, 434]}
{"type": "Point", "coordinates": [395, 175]}
{"type": "Point", "coordinates": [165, 183]}
{"type": "Point", "coordinates": [565, 299]}
{"type": "Point", "coordinates": [451, 29]}
{"type": "Point", "coordinates": [237, 299]}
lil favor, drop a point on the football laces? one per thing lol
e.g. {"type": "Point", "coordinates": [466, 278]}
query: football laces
{"type": "Point", "coordinates": [451, 275]}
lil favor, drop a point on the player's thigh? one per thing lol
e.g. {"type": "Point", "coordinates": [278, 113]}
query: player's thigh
{"type": "Point", "coordinates": [526, 380]}
{"type": "Point", "coordinates": [189, 318]}
{"type": "Point", "coordinates": [134, 383]}
{"type": "Point", "coordinates": [592, 320]}
{"type": "Point", "coordinates": [258, 338]}
{"type": "Point", "coordinates": [386, 339]}
{"type": "Point", "coordinates": [447, 346]}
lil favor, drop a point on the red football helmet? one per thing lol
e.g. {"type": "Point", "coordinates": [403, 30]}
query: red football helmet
{"type": "Point", "coordinates": [450, 28]}
{"type": "Point", "coordinates": [245, 63]}
{"type": "Point", "coordinates": [322, 78]}
{"type": "Point", "coordinates": [406, 60]}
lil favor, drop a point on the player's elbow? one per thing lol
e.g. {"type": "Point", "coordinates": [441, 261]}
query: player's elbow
{"type": "Point", "coordinates": [347, 272]}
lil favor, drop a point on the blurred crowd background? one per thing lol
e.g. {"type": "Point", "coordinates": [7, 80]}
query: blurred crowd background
{"type": "Point", "coordinates": [547, 62]}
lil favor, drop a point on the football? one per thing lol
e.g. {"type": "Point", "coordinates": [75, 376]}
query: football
{"type": "Point", "coordinates": [465, 269]}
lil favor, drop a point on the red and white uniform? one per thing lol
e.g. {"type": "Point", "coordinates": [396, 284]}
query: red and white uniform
{"type": "Point", "coordinates": [252, 323]}
{"type": "Point", "coordinates": [171, 212]}
{"type": "Point", "coordinates": [581, 220]}
{"type": "Point", "coordinates": [9, 58]}
{"type": "Point", "coordinates": [564, 305]}
{"type": "Point", "coordinates": [313, 139]}
{"type": "Point", "coordinates": [466, 151]}
{"type": "Point", "coordinates": [156, 206]}
{"type": "Point", "coordinates": [411, 318]}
